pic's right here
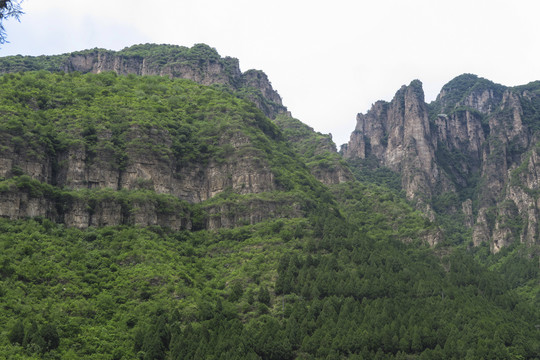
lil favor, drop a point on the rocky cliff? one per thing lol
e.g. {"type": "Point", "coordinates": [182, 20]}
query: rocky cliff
{"type": "Point", "coordinates": [141, 151]}
{"type": "Point", "coordinates": [398, 134]}
{"type": "Point", "coordinates": [471, 153]}
{"type": "Point", "coordinates": [200, 63]}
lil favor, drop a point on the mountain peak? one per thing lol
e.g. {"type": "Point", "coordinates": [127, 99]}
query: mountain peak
{"type": "Point", "coordinates": [459, 154]}
{"type": "Point", "coordinates": [469, 90]}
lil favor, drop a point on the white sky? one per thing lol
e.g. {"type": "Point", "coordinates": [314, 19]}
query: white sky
{"type": "Point", "coordinates": [328, 60]}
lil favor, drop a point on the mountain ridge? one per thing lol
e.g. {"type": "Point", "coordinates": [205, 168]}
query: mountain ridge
{"type": "Point", "coordinates": [466, 144]}
{"type": "Point", "coordinates": [200, 63]}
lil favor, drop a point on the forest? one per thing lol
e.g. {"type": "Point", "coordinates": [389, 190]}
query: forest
{"type": "Point", "coordinates": [350, 276]}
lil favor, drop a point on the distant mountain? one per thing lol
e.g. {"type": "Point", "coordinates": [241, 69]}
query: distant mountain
{"type": "Point", "coordinates": [471, 154]}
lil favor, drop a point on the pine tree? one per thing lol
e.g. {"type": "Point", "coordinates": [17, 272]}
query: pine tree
{"type": "Point", "coordinates": [16, 335]}
{"type": "Point", "coordinates": [264, 296]}
{"type": "Point", "coordinates": [49, 334]}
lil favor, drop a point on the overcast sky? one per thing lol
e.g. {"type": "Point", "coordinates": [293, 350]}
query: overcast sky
{"type": "Point", "coordinates": [329, 60]}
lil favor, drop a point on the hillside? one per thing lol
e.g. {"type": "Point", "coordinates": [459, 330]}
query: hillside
{"type": "Point", "coordinates": [201, 64]}
{"type": "Point", "coordinates": [93, 150]}
{"type": "Point", "coordinates": [148, 216]}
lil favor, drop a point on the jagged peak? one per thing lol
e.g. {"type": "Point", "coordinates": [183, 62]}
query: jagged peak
{"type": "Point", "coordinates": [415, 85]}
{"type": "Point", "coordinates": [417, 88]}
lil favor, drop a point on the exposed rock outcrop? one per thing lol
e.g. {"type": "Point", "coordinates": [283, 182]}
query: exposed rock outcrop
{"type": "Point", "coordinates": [144, 167]}
{"type": "Point", "coordinates": [82, 212]}
{"type": "Point", "coordinates": [477, 138]}
{"type": "Point", "coordinates": [229, 214]}
{"type": "Point", "coordinates": [200, 64]}
{"type": "Point", "coordinates": [398, 135]}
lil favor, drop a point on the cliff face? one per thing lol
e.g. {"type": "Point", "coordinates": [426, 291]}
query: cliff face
{"type": "Point", "coordinates": [475, 144]}
{"type": "Point", "coordinates": [146, 167]}
{"type": "Point", "coordinates": [399, 136]}
{"type": "Point", "coordinates": [143, 170]}
{"type": "Point", "coordinates": [200, 64]}
{"type": "Point", "coordinates": [207, 73]}
{"type": "Point", "coordinates": [138, 151]}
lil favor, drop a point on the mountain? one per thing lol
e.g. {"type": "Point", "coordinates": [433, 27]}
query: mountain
{"type": "Point", "coordinates": [149, 216]}
{"type": "Point", "coordinates": [94, 150]}
{"type": "Point", "coordinates": [470, 154]}
{"type": "Point", "coordinates": [200, 63]}
{"type": "Point", "coordinates": [191, 149]}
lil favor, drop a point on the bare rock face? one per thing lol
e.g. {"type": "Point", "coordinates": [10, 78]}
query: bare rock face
{"type": "Point", "coordinates": [211, 72]}
{"type": "Point", "coordinates": [518, 211]}
{"type": "Point", "coordinates": [476, 136]}
{"type": "Point", "coordinates": [269, 101]}
{"type": "Point", "coordinates": [467, 209]}
{"type": "Point", "coordinates": [83, 213]}
{"type": "Point", "coordinates": [200, 64]}
{"type": "Point", "coordinates": [151, 165]}
{"type": "Point", "coordinates": [16, 204]}
{"type": "Point", "coordinates": [148, 165]}
{"type": "Point", "coordinates": [398, 135]}
{"type": "Point", "coordinates": [18, 157]}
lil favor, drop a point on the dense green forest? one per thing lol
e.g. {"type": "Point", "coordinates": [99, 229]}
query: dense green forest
{"type": "Point", "coordinates": [284, 289]}
{"type": "Point", "coordinates": [349, 276]}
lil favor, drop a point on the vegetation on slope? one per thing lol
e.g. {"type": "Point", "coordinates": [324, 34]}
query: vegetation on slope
{"type": "Point", "coordinates": [316, 150]}
{"type": "Point", "coordinates": [176, 61]}
{"type": "Point", "coordinates": [321, 287]}
{"type": "Point", "coordinates": [351, 279]}
{"type": "Point", "coordinates": [45, 114]}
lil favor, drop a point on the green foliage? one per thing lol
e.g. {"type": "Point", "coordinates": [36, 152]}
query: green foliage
{"type": "Point", "coordinates": [336, 286]}
{"type": "Point", "coordinates": [316, 150]}
{"type": "Point", "coordinates": [16, 334]}
{"type": "Point", "coordinates": [369, 170]}
{"type": "Point", "coordinates": [462, 86]}
{"type": "Point", "coordinates": [351, 279]}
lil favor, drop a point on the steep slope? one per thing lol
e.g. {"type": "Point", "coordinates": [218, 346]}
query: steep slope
{"type": "Point", "coordinates": [316, 150]}
{"type": "Point", "coordinates": [398, 135]}
{"type": "Point", "coordinates": [201, 64]}
{"type": "Point", "coordinates": [92, 150]}
{"type": "Point", "coordinates": [459, 154]}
